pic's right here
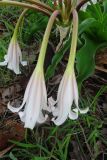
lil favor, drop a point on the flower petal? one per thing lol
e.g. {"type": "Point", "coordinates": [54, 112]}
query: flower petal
{"type": "Point", "coordinates": [83, 111]}
{"type": "Point", "coordinates": [76, 97]}
{"type": "Point", "coordinates": [29, 85]}
{"type": "Point", "coordinates": [64, 102]}
{"type": "Point", "coordinates": [13, 58]}
{"type": "Point", "coordinates": [22, 116]}
{"type": "Point", "coordinates": [13, 109]}
{"type": "Point", "coordinates": [26, 95]}
{"type": "Point", "coordinates": [3, 63]}
{"type": "Point", "coordinates": [33, 103]}
{"type": "Point", "coordinates": [75, 89]}
{"type": "Point", "coordinates": [42, 118]}
{"type": "Point", "coordinates": [55, 111]}
{"type": "Point", "coordinates": [60, 86]}
{"type": "Point", "coordinates": [58, 109]}
{"type": "Point", "coordinates": [73, 115]}
{"type": "Point", "coordinates": [51, 104]}
{"type": "Point", "coordinates": [44, 105]}
{"type": "Point", "coordinates": [24, 63]}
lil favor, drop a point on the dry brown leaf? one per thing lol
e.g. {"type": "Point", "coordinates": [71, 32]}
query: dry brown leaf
{"type": "Point", "coordinates": [11, 130]}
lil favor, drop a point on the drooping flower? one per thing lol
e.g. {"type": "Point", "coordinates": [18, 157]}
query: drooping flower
{"type": "Point", "coordinates": [35, 100]}
{"type": "Point", "coordinates": [68, 90]}
{"type": "Point", "coordinates": [67, 93]}
{"type": "Point", "coordinates": [13, 57]}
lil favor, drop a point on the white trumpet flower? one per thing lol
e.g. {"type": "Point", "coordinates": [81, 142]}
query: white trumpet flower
{"type": "Point", "coordinates": [67, 93]}
{"type": "Point", "coordinates": [13, 57]}
{"type": "Point", "coordinates": [68, 90]}
{"type": "Point", "coordinates": [35, 100]}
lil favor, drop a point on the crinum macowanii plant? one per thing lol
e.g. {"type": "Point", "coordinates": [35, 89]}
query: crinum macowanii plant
{"type": "Point", "coordinates": [64, 14]}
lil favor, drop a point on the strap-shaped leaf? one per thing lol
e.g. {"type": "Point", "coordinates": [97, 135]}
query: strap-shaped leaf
{"type": "Point", "coordinates": [86, 58]}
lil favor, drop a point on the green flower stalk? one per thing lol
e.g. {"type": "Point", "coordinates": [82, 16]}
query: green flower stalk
{"type": "Point", "coordinates": [15, 34]}
{"type": "Point", "coordinates": [35, 97]}
{"type": "Point", "coordinates": [72, 55]}
{"type": "Point", "coordinates": [14, 55]}
{"type": "Point", "coordinates": [46, 39]}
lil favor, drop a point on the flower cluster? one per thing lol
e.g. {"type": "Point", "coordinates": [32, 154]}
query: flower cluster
{"type": "Point", "coordinates": [35, 103]}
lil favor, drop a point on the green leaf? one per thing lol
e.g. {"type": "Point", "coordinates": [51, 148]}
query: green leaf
{"type": "Point", "coordinates": [86, 59]}
{"type": "Point", "coordinates": [24, 145]}
{"type": "Point", "coordinates": [83, 15]}
{"type": "Point", "coordinates": [84, 25]}
{"type": "Point", "coordinates": [95, 11]}
{"type": "Point", "coordinates": [46, 151]}
{"type": "Point", "coordinates": [12, 157]}
{"type": "Point", "coordinates": [105, 6]}
{"type": "Point", "coordinates": [94, 22]}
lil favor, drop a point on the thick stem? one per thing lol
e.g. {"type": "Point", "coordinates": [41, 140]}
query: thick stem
{"type": "Point", "coordinates": [18, 22]}
{"type": "Point", "coordinates": [25, 5]}
{"type": "Point", "coordinates": [71, 59]}
{"type": "Point", "coordinates": [46, 39]}
{"type": "Point", "coordinates": [41, 5]}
